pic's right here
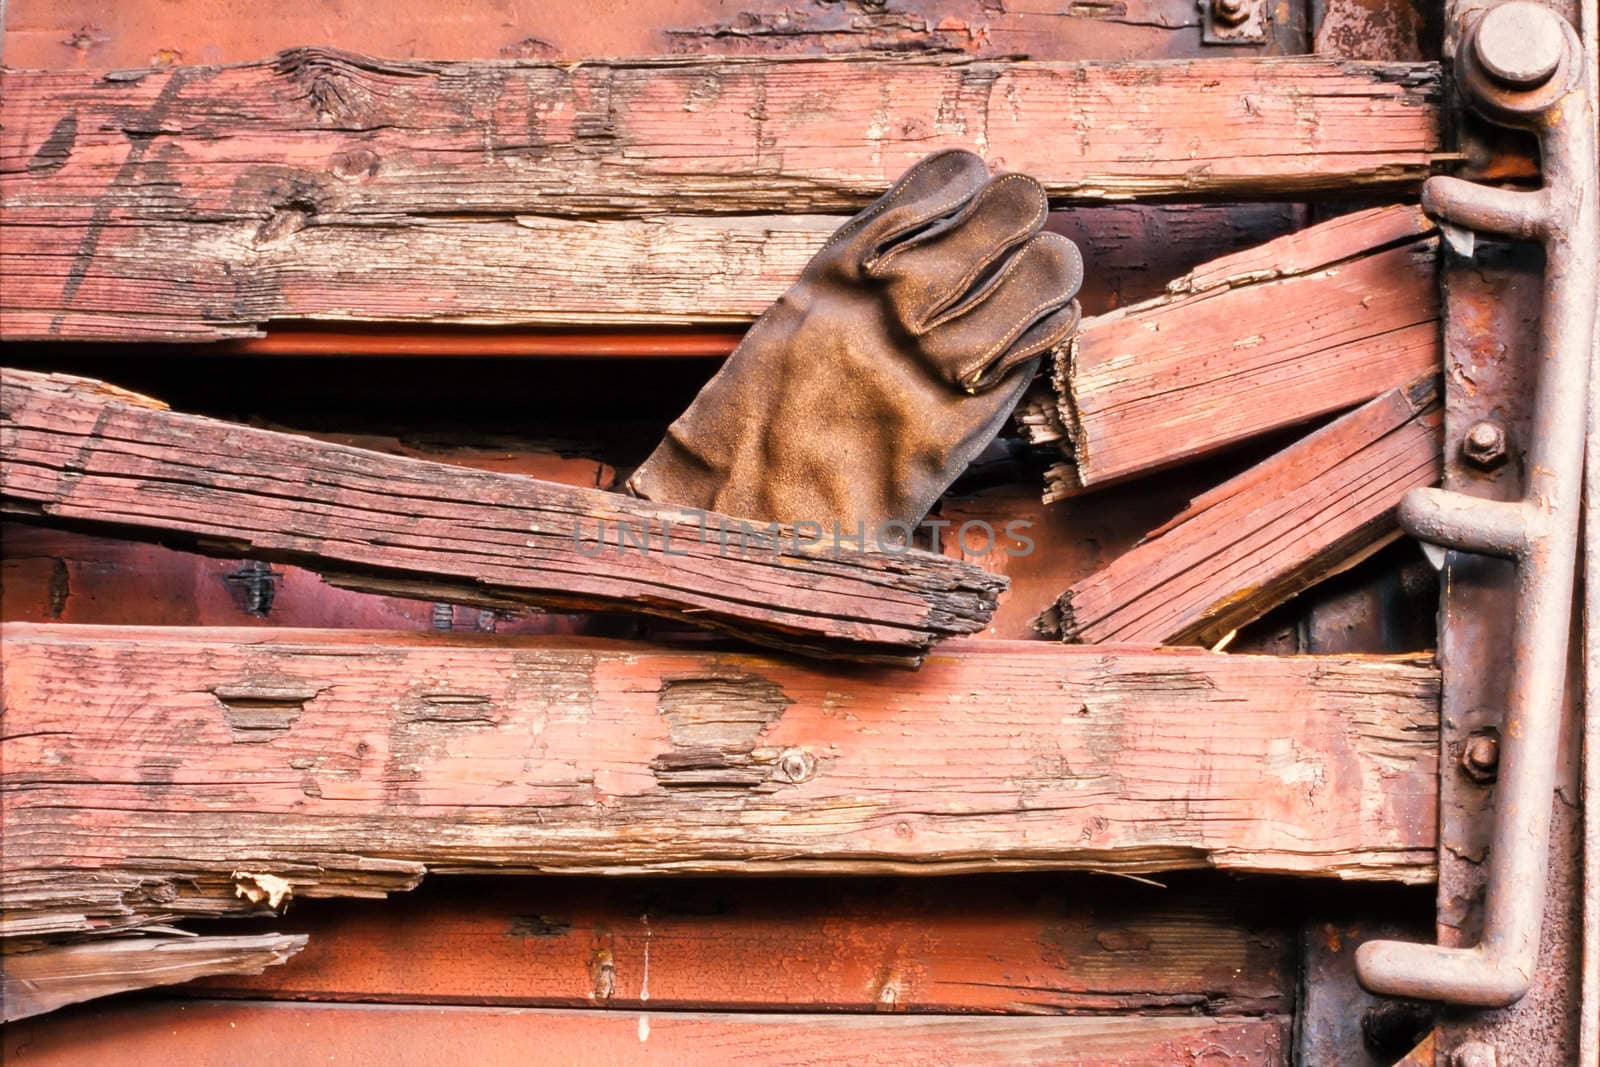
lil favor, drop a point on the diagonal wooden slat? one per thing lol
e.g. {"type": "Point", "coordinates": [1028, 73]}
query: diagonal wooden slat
{"type": "Point", "coordinates": [1252, 342]}
{"type": "Point", "coordinates": [77, 450]}
{"type": "Point", "coordinates": [156, 773]}
{"type": "Point", "coordinates": [196, 202]}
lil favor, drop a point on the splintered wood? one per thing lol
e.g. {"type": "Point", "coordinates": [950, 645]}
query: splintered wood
{"type": "Point", "coordinates": [1319, 506]}
{"type": "Point", "coordinates": [70, 450]}
{"type": "Point", "coordinates": [1298, 327]}
{"type": "Point", "coordinates": [52, 976]}
{"type": "Point", "coordinates": [196, 203]}
{"type": "Point", "coordinates": [155, 774]}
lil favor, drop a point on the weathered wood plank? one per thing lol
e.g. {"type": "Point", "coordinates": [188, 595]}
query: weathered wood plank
{"type": "Point", "coordinates": [53, 976]}
{"type": "Point", "coordinates": [151, 773]}
{"type": "Point", "coordinates": [1256, 341]}
{"type": "Point", "coordinates": [990, 943]}
{"type": "Point", "coordinates": [272, 178]}
{"type": "Point", "coordinates": [72, 450]}
{"type": "Point", "coordinates": [1317, 507]}
{"type": "Point", "coordinates": [191, 1034]}
{"type": "Point", "coordinates": [176, 281]}
{"type": "Point", "coordinates": [75, 33]}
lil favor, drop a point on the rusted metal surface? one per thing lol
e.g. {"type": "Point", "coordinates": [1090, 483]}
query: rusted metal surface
{"type": "Point", "coordinates": [1589, 1000]}
{"type": "Point", "coordinates": [1540, 89]}
{"type": "Point", "coordinates": [1338, 1022]}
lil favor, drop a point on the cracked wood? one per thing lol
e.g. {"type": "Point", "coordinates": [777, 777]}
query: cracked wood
{"type": "Point", "coordinates": [72, 449]}
{"type": "Point", "coordinates": [272, 177]}
{"type": "Point", "coordinates": [132, 799]}
{"type": "Point", "coordinates": [1257, 341]}
{"type": "Point", "coordinates": [1321, 505]}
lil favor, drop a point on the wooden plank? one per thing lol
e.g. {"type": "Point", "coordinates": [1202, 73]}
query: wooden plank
{"type": "Point", "coordinates": [53, 976]}
{"type": "Point", "coordinates": [290, 1035]}
{"type": "Point", "coordinates": [153, 773]}
{"type": "Point", "coordinates": [1257, 341]}
{"type": "Point", "coordinates": [52, 575]}
{"type": "Point", "coordinates": [74, 449]}
{"type": "Point", "coordinates": [76, 33]}
{"type": "Point", "coordinates": [170, 281]}
{"type": "Point", "coordinates": [1312, 510]}
{"type": "Point", "coordinates": [270, 178]}
{"type": "Point", "coordinates": [985, 943]}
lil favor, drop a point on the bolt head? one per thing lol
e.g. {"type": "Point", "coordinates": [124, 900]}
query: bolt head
{"type": "Point", "coordinates": [1480, 758]}
{"type": "Point", "coordinates": [796, 765]}
{"type": "Point", "coordinates": [1474, 1054]}
{"type": "Point", "coordinates": [1484, 445]}
{"type": "Point", "coordinates": [1520, 44]}
{"type": "Point", "coordinates": [1230, 12]}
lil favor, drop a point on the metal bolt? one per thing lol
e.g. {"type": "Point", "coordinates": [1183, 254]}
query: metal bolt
{"type": "Point", "coordinates": [1480, 758]}
{"type": "Point", "coordinates": [1230, 12]}
{"type": "Point", "coordinates": [797, 765]}
{"type": "Point", "coordinates": [1484, 446]}
{"type": "Point", "coordinates": [1474, 1054]}
{"type": "Point", "coordinates": [1520, 44]}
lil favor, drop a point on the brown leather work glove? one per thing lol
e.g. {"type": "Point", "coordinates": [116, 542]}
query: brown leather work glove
{"type": "Point", "coordinates": [862, 393]}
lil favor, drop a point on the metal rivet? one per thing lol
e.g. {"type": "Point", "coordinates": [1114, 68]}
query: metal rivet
{"type": "Point", "coordinates": [1520, 44]}
{"type": "Point", "coordinates": [1230, 12]}
{"type": "Point", "coordinates": [797, 765]}
{"type": "Point", "coordinates": [1474, 1054]}
{"type": "Point", "coordinates": [1480, 757]}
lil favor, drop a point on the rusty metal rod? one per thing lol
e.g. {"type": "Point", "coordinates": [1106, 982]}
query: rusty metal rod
{"type": "Point", "coordinates": [1589, 991]}
{"type": "Point", "coordinates": [1520, 65]}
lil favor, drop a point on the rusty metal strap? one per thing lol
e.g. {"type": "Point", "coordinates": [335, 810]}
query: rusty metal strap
{"type": "Point", "coordinates": [1520, 65]}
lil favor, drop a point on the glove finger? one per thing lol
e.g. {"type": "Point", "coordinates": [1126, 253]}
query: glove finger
{"type": "Point", "coordinates": [1043, 335]}
{"type": "Point", "coordinates": [935, 267]}
{"type": "Point", "coordinates": [934, 187]}
{"type": "Point", "coordinates": [965, 342]}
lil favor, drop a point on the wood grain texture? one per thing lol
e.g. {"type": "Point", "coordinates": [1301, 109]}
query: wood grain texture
{"type": "Point", "coordinates": [1263, 339]}
{"type": "Point", "coordinates": [390, 524]}
{"type": "Point", "coordinates": [189, 1034]}
{"type": "Point", "coordinates": [983, 943]}
{"type": "Point", "coordinates": [271, 178]}
{"type": "Point", "coordinates": [147, 768]}
{"type": "Point", "coordinates": [1317, 507]}
{"type": "Point", "coordinates": [78, 33]}
{"type": "Point", "coordinates": [53, 976]}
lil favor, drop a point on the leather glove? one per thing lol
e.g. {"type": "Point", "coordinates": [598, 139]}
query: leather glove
{"type": "Point", "coordinates": [866, 389]}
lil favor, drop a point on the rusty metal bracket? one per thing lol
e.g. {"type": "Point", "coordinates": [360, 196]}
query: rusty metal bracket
{"type": "Point", "coordinates": [1520, 65]}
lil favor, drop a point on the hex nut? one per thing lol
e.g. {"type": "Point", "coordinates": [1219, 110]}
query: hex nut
{"type": "Point", "coordinates": [1484, 445]}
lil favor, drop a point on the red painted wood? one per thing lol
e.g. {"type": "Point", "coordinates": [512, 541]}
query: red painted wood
{"type": "Point", "coordinates": [178, 1034]}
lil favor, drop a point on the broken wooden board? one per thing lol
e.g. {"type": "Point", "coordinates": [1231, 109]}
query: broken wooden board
{"type": "Point", "coordinates": [1268, 338]}
{"type": "Point", "coordinates": [192, 1033]}
{"type": "Point", "coordinates": [73, 449]}
{"type": "Point", "coordinates": [197, 202]}
{"type": "Point", "coordinates": [43, 979]}
{"type": "Point", "coordinates": [1055, 944]}
{"type": "Point", "coordinates": [153, 773]}
{"type": "Point", "coordinates": [1312, 510]}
